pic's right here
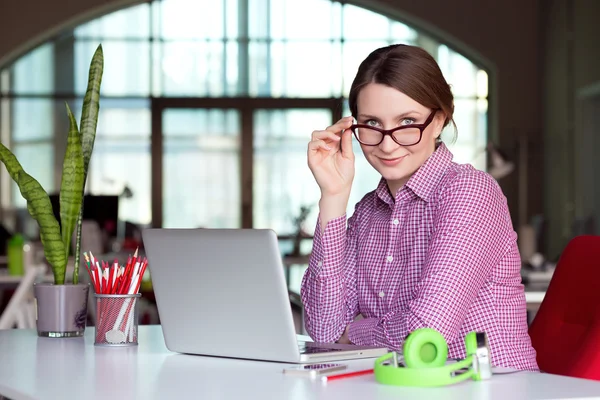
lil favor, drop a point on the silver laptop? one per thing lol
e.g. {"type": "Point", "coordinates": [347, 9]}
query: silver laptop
{"type": "Point", "coordinates": [222, 292]}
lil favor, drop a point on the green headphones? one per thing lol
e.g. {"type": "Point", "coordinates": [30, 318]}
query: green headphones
{"type": "Point", "coordinates": [425, 352]}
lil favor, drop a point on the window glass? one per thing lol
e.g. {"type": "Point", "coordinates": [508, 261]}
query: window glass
{"type": "Point", "coordinates": [192, 19]}
{"type": "Point", "coordinates": [34, 72]}
{"type": "Point", "coordinates": [361, 24]}
{"type": "Point", "coordinates": [282, 181]}
{"type": "Point", "coordinates": [122, 156]}
{"type": "Point", "coordinates": [33, 119]}
{"type": "Point", "coordinates": [401, 33]}
{"type": "Point", "coordinates": [120, 118]}
{"type": "Point", "coordinates": [298, 20]}
{"type": "Point", "coordinates": [201, 168]}
{"type": "Point", "coordinates": [460, 73]}
{"type": "Point", "coordinates": [470, 143]}
{"type": "Point", "coordinates": [196, 68]}
{"type": "Point", "coordinates": [37, 159]}
{"type": "Point", "coordinates": [120, 162]}
{"type": "Point", "coordinates": [232, 16]}
{"type": "Point", "coordinates": [126, 67]}
{"type": "Point", "coordinates": [295, 69]}
{"type": "Point", "coordinates": [131, 22]}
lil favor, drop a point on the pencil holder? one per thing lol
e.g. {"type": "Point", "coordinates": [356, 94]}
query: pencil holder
{"type": "Point", "coordinates": [116, 319]}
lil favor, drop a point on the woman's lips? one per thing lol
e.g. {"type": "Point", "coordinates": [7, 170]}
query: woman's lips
{"type": "Point", "coordinates": [390, 162]}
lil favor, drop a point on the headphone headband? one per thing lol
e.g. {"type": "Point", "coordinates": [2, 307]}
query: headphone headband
{"type": "Point", "coordinates": [425, 355]}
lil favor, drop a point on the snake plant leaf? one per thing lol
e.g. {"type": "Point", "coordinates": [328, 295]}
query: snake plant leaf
{"type": "Point", "coordinates": [71, 187]}
{"type": "Point", "coordinates": [91, 107]}
{"type": "Point", "coordinates": [87, 127]}
{"type": "Point", "coordinates": [40, 208]}
{"type": "Point", "coordinates": [10, 162]}
{"type": "Point", "coordinates": [50, 235]}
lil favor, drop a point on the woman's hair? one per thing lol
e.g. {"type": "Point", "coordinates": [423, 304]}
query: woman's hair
{"type": "Point", "coordinates": [411, 70]}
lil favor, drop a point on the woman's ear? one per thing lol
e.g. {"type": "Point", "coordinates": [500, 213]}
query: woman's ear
{"type": "Point", "coordinates": [438, 123]}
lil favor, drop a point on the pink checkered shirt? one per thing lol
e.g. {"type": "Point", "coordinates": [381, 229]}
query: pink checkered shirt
{"type": "Point", "coordinates": [443, 255]}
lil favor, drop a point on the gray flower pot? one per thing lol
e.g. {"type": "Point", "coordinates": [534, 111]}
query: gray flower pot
{"type": "Point", "coordinates": [61, 310]}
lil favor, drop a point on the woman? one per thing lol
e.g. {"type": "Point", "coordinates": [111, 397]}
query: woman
{"type": "Point", "coordinates": [432, 246]}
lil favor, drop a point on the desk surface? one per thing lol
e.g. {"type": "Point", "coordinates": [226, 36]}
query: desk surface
{"type": "Point", "coordinates": [73, 368]}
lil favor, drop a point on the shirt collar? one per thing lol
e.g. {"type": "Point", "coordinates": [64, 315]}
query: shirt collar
{"type": "Point", "coordinates": [425, 180]}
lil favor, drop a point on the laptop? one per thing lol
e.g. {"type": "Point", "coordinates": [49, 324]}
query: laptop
{"type": "Point", "coordinates": [222, 292]}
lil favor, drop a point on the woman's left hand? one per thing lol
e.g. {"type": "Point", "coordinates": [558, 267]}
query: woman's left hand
{"type": "Point", "coordinates": [344, 339]}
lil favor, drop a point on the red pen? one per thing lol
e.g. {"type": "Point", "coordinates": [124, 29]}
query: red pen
{"type": "Point", "coordinates": [346, 375]}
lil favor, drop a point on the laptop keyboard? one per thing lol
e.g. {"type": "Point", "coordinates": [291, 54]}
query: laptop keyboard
{"type": "Point", "coordinates": [312, 350]}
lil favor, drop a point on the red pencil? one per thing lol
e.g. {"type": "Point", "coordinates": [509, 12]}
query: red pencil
{"type": "Point", "coordinates": [347, 375]}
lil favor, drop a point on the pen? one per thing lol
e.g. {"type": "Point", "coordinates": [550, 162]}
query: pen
{"type": "Point", "coordinates": [346, 375]}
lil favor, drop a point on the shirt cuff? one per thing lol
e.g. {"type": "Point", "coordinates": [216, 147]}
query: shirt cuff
{"type": "Point", "coordinates": [362, 332]}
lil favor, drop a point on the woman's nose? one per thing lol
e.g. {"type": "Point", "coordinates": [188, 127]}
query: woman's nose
{"type": "Point", "coordinates": [388, 145]}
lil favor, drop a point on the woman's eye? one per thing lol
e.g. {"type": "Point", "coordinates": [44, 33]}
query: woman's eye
{"type": "Point", "coordinates": [371, 122]}
{"type": "Point", "coordinates": [408, 121]}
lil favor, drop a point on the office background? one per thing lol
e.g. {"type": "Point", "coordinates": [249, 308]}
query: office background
{"type": "Point", "coordinates": [208, 105]}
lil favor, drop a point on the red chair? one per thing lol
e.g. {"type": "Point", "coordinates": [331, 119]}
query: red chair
{"type": "Point", "coordinates": [566, 329]}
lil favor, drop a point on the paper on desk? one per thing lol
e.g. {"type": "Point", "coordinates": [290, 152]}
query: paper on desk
{"type": "Point", "coordinates": [504, 370]}
{"type": "Point", "coordinates": [495, 370]}
{"type": "Point", "coordinates": [303, 338]}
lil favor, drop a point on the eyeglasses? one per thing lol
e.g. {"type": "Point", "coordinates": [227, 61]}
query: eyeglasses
{"type": "Point", "coordinates": [404, 135]}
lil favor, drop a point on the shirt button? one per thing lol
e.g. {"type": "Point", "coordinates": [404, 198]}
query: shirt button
{"type": "Point", "coordinates": [320, 263]}
{"type": "Point", "coordinates": [381, 294]}
{"type": "Point", "coordinates": [390, 258]}
{"type": "Point", "coordinates": [396, 222]}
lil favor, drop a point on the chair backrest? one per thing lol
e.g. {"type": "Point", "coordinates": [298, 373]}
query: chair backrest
{"type": "Point", "coordinates": [20, 310]}
{"type": "Point", "coordinates": [566, 329]}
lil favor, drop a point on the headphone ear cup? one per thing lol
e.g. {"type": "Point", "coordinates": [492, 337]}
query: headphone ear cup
{"type": "Point", "coordinates": [425, 348]}
{"type": "Point", "coordinates": [471, 343]}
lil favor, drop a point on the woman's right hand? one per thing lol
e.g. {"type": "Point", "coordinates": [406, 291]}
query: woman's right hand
{"type": "Point", "coordinates": [331, 159]}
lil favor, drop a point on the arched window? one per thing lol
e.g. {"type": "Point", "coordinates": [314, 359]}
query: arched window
{"type": "Point", "coordinates": [207, 106]}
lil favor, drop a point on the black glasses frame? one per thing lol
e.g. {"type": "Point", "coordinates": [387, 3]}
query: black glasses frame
{"type": "Point", "coordinates": [389, 132]}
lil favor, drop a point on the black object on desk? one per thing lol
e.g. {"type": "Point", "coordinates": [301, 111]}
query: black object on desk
{"type": "Point", "coordinates": [104, 209]}
{"type": "Point", "coordinates": [4, 237]}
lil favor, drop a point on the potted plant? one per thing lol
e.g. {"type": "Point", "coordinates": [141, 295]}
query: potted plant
{"type": "Point", "coordinates": [62, 307]}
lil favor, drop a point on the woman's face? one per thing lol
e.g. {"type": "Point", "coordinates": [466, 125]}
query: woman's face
{"type": "Point", "coordinates": [386, 108]}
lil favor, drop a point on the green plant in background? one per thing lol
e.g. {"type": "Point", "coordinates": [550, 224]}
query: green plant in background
{"type": "Point", "coordinates": [55, 237]}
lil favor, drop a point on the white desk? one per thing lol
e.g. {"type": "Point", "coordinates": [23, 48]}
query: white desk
{"type": "Point", "coordinates": [73, 368]}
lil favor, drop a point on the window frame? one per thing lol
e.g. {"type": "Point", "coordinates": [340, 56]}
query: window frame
{"type": "Point", "coordinates": [245, 103]}
{"type": "Point", "coordinates": [246, 107]}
